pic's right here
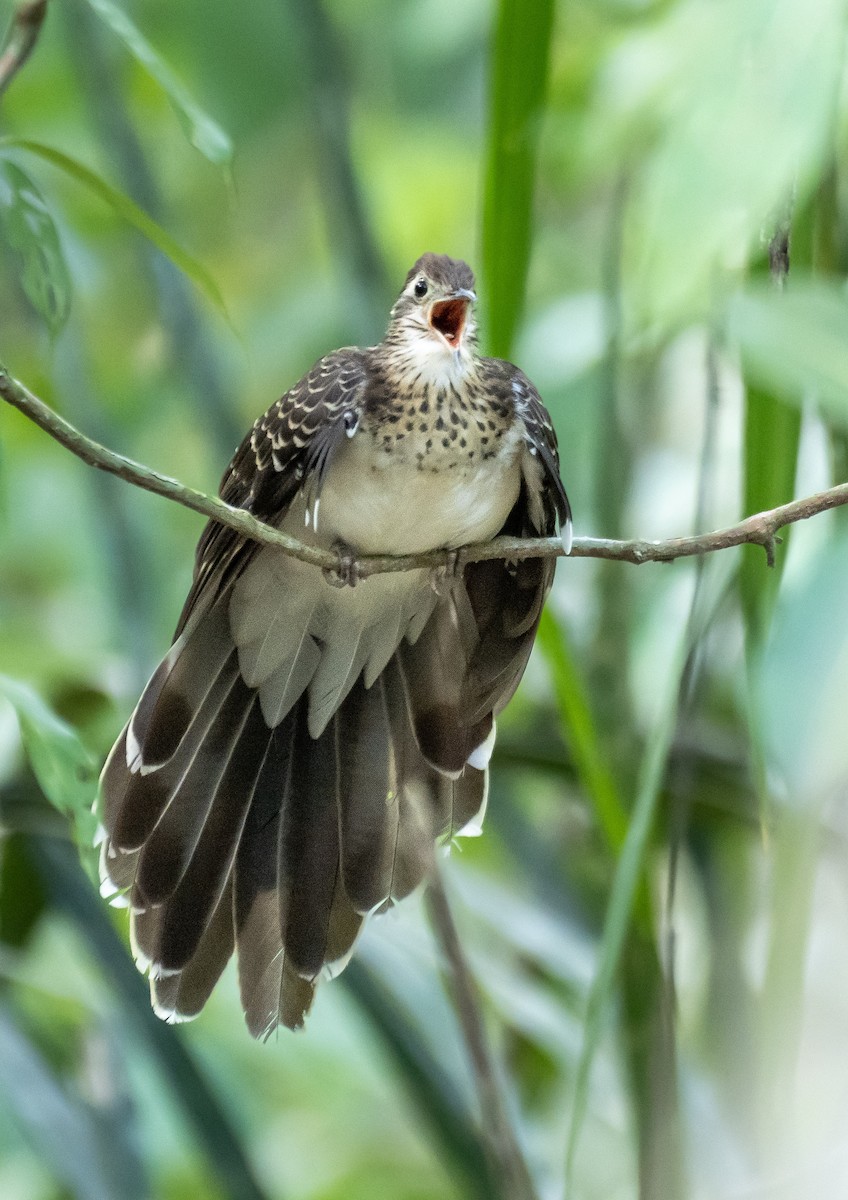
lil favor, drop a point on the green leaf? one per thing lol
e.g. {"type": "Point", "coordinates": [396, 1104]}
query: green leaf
{"type": "Point", "coordinates": [772, 434]}
{"type": "Point", "coordinates": [128, 211]}
{"type": "Point", "coordinates": [799, 683]}
{"type": "Point", "coordinates": [573, 702]}
{"type": "Point", "coordinates": [61, 1128]}
{"type": "Point", "coordinates": [28, 228]}
{"type": "Point", "coordinates": [794, 343]}
{"type": "Point", "coordinates": [65, 770]}
{"type": "Point", "coordinates": [520, 56]}
{"type": "Point", "coordinates": [205, 135]}
{"type": "Point", "coordinates": [744, 96]}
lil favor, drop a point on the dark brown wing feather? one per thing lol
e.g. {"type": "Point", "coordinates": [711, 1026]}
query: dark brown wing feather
{"type": "Point", "coordinates": [464, 668]}
{"type": "Point", "coordinates": [289, 445]}
{"type": "Point", "coordinates": [507, 600]}
{"type": "Point", "coordinates": [542, 440]}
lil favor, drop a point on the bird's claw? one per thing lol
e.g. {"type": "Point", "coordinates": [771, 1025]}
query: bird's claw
{"type": "Point", "coordinates": [444, 577]}
{"type": "Point", "coordinates": [346, 572]}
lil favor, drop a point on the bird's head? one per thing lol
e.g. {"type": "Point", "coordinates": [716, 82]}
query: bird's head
{"type": "Point", "coordinates": [433, 317]}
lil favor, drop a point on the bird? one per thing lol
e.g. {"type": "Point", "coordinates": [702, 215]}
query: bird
{"type": "Point", "coordinates": [311, 738]}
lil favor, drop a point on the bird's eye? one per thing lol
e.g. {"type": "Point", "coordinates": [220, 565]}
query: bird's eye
{"type": "Point", "coordinates": [420, 289]}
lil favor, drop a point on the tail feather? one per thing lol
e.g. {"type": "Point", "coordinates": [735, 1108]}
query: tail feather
{"type": "Point", "coordinates": [173, 841]}
{"type": "Point", "coordinates": [271, 992]}
{"type": "Point", "coordinates": [443, 732]}
{"type": "Point", "coordinates": [117, 870]}
{"type": "Point", "coordinates": [148, 793]}
{"type": "Point", "coordinates": [468, 797]}
{"type": "Point", "coordinates": [233, 832]}
{"type": "Point", "coordinates": [181, 996]}
{"type": "Point", "coordinates": [190, 907]}
{"type": "Point", "coordinates": [345, 926]}
{"type": "Point", "coordinates": [422, 813]}
{"type": "Point", "coordinates": [309, 847]}
{"type": "Point", "coordinates": [369, 806]}
{"type": "Point", "coordinates": [507, 603]}
{"type": "Point", "coordinates": [177, 690]}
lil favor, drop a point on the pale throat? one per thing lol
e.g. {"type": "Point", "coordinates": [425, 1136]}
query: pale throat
{"type": "Point", "coordinates": [429, 359]}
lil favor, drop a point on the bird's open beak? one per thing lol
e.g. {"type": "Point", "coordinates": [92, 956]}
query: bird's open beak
{"type": "Point", "coordinates": [448, 316]}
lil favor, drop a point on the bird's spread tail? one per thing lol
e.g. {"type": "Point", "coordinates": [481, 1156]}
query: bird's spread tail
{"type": "Point", "coordinates": [224, 834]}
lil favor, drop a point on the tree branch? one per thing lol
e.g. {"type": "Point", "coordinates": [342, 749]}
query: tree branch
{"type": "Point", "coordinates": [21, 38]}
{"type": "Point", "coordinates": [761, 529]}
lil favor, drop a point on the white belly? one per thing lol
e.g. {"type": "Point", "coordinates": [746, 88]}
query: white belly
{"type": "Point", "coordinates": [385, 505]}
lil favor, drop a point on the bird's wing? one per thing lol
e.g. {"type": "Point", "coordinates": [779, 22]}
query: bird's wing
{"type": "Point", "coordinates": [507, 597]}
{"type": "Point", "coordinates": [289, 447]}
{"type": "Point", "coordinates": [472, 653]}
{"type": "Point", "coordinates": [541, 441]}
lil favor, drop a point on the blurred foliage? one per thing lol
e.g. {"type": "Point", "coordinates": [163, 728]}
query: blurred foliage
{"type": "Point", "coordinates": [657, 913]}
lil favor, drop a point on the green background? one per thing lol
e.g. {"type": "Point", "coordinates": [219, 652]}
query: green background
{"type": "Point", "coordinates": [657, 914]}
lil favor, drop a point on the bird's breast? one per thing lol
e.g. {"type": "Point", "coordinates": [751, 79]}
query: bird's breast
{"type": "Point", "coordinates": [420, 491]}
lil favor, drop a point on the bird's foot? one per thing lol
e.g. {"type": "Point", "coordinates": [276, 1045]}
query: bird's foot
{"type": "Point", "coordinates": [346, 573]}
{"type": "Point", "coordinates": [445, 577]}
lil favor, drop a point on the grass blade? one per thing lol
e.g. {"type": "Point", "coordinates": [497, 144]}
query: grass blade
{"type": "Point", "coordinates": [772, 435]}
{"type": "Point", "coordinates": [624, 890]}
{"type": "Point", "coordinates": [22, 900]}
{"type": "Point", "coordinates": [520, 55]}
{"type": "Point", "coordinates": [573, 702]}
{"type": "Point", "coordinates": [205, 135]}
{"type": "Point", "coordinates": [590, 760]}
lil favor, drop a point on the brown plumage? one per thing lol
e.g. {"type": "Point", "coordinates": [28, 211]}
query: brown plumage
{"type": "Point", "coordinates": [303, 746]}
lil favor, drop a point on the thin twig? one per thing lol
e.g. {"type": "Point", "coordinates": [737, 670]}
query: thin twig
{"type": "Point", "coordinates": [21, 38]}
{"type": "Point", "coordinates": [761, 529]}
{"type": "Point", "coordinates": [499, 1138]}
